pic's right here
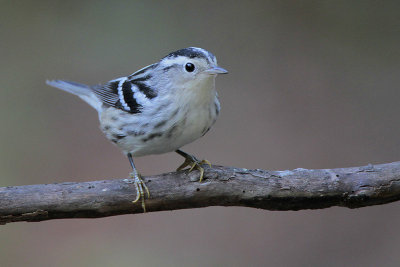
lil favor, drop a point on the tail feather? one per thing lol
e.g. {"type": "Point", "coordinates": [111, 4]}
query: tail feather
{"type": "Point", "coordinates": [81, 90]}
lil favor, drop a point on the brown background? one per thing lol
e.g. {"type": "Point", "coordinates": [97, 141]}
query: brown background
{"type": "Point", "coordinates": [312, 84]}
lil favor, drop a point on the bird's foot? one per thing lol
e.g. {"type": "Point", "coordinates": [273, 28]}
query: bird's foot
{"type": "Point", "coordinates": [194, 163]}
{"type": "Point", "coordinates": [141, 188]}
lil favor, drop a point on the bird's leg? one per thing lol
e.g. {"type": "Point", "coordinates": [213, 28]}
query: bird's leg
{"type": "Point", "coordinates": [139, 184]}
{"type": "Point", "coordinates": [193, 162]}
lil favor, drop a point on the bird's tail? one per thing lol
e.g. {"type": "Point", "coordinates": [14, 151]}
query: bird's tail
{"type": "Point", "coordinates": [81, 90]}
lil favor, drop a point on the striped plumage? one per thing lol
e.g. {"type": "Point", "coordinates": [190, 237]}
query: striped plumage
{"type": "Point", "coordinates": [159, 108]}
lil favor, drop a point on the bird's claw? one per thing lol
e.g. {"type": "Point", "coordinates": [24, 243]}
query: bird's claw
{"type": "Point", "coordinates": [194, 163]}
{"type": "Point", "coordinates": [141, 188]}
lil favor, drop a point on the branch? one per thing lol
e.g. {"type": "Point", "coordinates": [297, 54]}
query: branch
{"type": "Point", "coordinates": [223, 186]}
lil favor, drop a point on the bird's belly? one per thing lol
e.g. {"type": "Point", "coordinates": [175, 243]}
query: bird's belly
{"type": "Point", "coordinates": [144, 137]}
{"type": "Point", "coordinates": [184, 131]}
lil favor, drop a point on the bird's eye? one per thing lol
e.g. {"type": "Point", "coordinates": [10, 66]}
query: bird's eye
{"type": "Point", "coordinates": [189, 67]}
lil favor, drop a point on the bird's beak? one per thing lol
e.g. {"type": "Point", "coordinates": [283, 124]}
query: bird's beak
{"type": "Point", "coordinates": [216, 70]}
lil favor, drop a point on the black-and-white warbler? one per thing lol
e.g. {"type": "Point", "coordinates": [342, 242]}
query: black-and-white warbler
{"type": "Point", "coordinates": [157, 109]}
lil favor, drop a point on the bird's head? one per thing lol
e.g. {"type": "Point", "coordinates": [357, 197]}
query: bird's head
{"type": "Point", "coordinates": [190, 66]}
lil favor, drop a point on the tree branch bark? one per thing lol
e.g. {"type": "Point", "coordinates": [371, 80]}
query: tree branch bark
{"type": "Point", "coordinates": [222, 186]}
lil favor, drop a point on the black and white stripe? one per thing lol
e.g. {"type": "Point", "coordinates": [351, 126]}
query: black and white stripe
{"type": "Point", "coordinates": [119, 94]}
{"type": "Point", "coordinates": [128, 93]}
{"type": "Point", "coordinates": [129, 97]}
{"type": "Point", "coordinates": [142, 84]}
{"type": "Point", "coordinates": [193, 52]}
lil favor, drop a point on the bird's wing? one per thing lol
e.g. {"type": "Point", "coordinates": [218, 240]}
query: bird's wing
{"type": "Point", "coordinates": [108, 93]}
{"type": "Point", "coordinates": [118, 93]}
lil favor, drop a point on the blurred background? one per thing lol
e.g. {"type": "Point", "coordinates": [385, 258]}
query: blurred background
{"type": "Point", "coordinates": [312, 84]}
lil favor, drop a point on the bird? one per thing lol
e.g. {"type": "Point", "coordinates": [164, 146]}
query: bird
{"type": "Point", "coordinates": [157, 109]}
